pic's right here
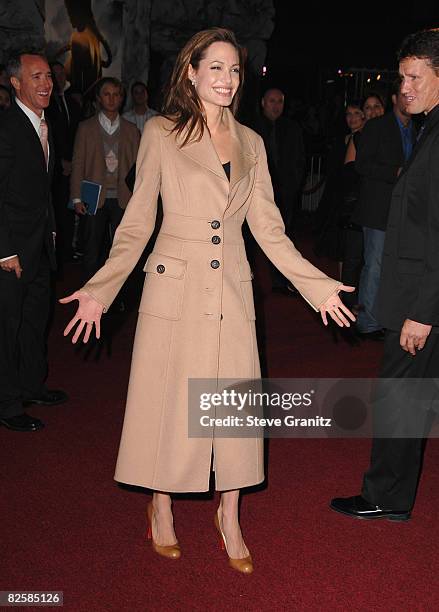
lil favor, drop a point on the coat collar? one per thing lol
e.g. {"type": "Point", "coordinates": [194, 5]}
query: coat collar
{"type": "Point", "coordinates": [242, 157]}
{"type": "Point", "coordinates": [431, 121]}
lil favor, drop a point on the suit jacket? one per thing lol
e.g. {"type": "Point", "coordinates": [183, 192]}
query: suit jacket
{"type": "Point", "coordinates": [379, 155]}
{"type": "Point", "coordinates": [197, 318]}
{"type": "Point", "coordinates": [89, 158]}
{"type": "Point", "coordinates": [26, 213]}
{"type": "Point", "coordinates": [409, 287]}
{"type": "Point", "coordinates": [287, 174]}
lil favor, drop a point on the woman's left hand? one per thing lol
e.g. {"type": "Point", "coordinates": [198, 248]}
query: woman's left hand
{"type": "Point", "coordinates": [336, 309]}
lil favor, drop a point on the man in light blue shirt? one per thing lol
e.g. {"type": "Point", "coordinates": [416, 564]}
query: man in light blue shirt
{"type": "Point", "coordinates": [140, 113]}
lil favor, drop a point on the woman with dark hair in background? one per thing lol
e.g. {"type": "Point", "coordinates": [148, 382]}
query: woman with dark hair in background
{"type": "Point", "coordinates": [372, 106]}
{"type": "Point", "coordinates": [196, 316]}
{"type": "Point", "coordinates": [352, 260]}
{"type": "Point", "coordinates": [332, 213]}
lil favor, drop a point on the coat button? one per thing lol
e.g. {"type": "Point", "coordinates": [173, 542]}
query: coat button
{"type": "Point", "coordinates": [215, 224]}
{"type": "Point", "coordinates": [161, 268]}
{"type": "Point", "coordinates": [215, 264]}
{"type": "Point", "coordinates": [216, 239]}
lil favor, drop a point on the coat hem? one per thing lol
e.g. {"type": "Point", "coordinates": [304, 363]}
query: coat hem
{"type": "Point", "coordinates": [240, 486]}
{"type": "Point", "coordinates": [188, 490]}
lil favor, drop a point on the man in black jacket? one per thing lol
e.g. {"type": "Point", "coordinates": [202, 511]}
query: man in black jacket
{"type": "Point", "coordinates": [286, 161]}
{"type": "Point", "coordinates": [408, 304]}
{"type": "Point", "coordinates": [386, 143]}
{"type": "Point", "coordinates": [64, 114]}
{"type": "Point", "coordinates": [27, 252]}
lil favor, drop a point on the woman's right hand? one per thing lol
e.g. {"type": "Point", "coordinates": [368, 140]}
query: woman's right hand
{"type": "Point", "coordinates": [89, 312]}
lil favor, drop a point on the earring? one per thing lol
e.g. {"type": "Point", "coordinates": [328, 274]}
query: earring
{"type": "Point", "coordinates": [193, 83]}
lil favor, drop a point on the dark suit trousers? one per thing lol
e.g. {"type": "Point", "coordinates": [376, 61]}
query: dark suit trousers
{"type": "Point", "coordinates": [352, 263]}
{"type": "Point", "coordinates": [287, 208]}
{"type": "Point", "coordinates": [98, 235]}
{"type": "Point", "coordinates": [24, 311]}
{"type": "Point", "coordinates": [65, 219]}
{"type": "Point", "coordinates": [396, 461]}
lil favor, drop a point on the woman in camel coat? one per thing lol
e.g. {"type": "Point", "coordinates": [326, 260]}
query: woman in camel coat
{"type": "Point", "coordinates": [196, 315]}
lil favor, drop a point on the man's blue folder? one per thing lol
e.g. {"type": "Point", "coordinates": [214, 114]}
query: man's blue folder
{"type": "Point", "coordinates": [90, 192]}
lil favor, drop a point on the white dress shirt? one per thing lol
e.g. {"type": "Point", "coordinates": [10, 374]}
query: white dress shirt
{"type": "Point", "coordinates": [139, 120]}
{"type": "Point", "coordinates": [109, 126]}
{"type": "Point", "coordinates": [33, 117]}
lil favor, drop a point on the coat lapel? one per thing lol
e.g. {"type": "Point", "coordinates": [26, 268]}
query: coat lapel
{"type": "Point", "coordinates": [98, 139]}
{"type": "Point", "coordinates": [51, 167]}
{"type": "Point", "coordinates": [203, 153]}
{"type": "Point", "coordinates": [243, 158]}
{"type": "Point", "coordinates": [33, 136]}
{"type": "Point", "coordinates": [397, 137]}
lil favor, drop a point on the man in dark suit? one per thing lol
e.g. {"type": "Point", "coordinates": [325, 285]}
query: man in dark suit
{"type": "Point", "coordinates": [408, 304]}
{"type": "Point", "coordinates": [27, 251]}
{"type": "Point", "coordinates": [286, 161]}
{"type": "Point", "coordinates": [386, 143]}
{"type": "Point", "coordinates": [64, 114]}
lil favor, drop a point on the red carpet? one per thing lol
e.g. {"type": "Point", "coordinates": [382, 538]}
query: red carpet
{"type": "Point", "coordinates": [67, 526]}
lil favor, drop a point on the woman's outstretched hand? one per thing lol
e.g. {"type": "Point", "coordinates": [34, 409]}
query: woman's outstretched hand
{"type": "Point", "coordinates": [89, 312]}
{"type": "Point", "coordinates": [336, 309]}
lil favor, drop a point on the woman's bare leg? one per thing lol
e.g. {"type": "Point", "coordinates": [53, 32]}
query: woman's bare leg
{"type": "Point", "coordinates": [229, 523]}
{"type": "Point", "coordinates": [162, 521]}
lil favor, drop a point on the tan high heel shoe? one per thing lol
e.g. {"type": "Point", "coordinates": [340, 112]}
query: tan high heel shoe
{"type": "Point", "coordinates": [172, 551]}
{"type": "Point", "coordinates": [245, 565]}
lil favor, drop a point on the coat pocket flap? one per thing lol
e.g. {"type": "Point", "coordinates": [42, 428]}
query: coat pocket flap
{"type": "Point", "coordinates": [165, 265]}
{"type": "Point", "coordinates": [245, 271]}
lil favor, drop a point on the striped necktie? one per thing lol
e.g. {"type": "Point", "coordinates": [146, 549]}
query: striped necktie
{"type": "Point", "coordinates": [44, 134]}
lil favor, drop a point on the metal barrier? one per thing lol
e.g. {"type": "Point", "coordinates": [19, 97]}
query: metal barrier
{"type": "Point", "coordinates": [314, 185]}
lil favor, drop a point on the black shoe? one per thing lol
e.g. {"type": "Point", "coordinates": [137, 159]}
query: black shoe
{"type": "Point", "coordinates": [358, 507]}
{"type": "Point", "coordinates": [49, 397]}
{"type": "Point", "coordinates": [22, 422]}
{"type": "Point", "coordinates": [377, 336]}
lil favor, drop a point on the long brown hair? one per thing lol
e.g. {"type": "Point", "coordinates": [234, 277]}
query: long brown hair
{"type": "Point", "coordinates": [181, 103]}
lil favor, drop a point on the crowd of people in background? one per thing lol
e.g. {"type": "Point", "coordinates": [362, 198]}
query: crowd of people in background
{"type": "Point", "coordinates": [353, 212]}
{"type": "Point", "coordinates": [361, 150]}
{"type": "Point", "coordinates": [293, 133]}
{"type": "Point", "coordinates": [196, 316]}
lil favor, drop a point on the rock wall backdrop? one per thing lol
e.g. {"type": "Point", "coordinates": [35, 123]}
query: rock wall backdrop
{"type": "Point", "coordinates": [119, 37]}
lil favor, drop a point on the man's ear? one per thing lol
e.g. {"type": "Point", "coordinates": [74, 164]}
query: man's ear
{"type": "Point", "coordinates": [393, 99]}
{"type": "Point", "coordinates": [15, 83]}
{"type": "Point", "coordinates": [263, 102]}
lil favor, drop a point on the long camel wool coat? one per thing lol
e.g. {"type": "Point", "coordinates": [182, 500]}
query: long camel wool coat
{"type": "Point", "coordinates": [196, 316]}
